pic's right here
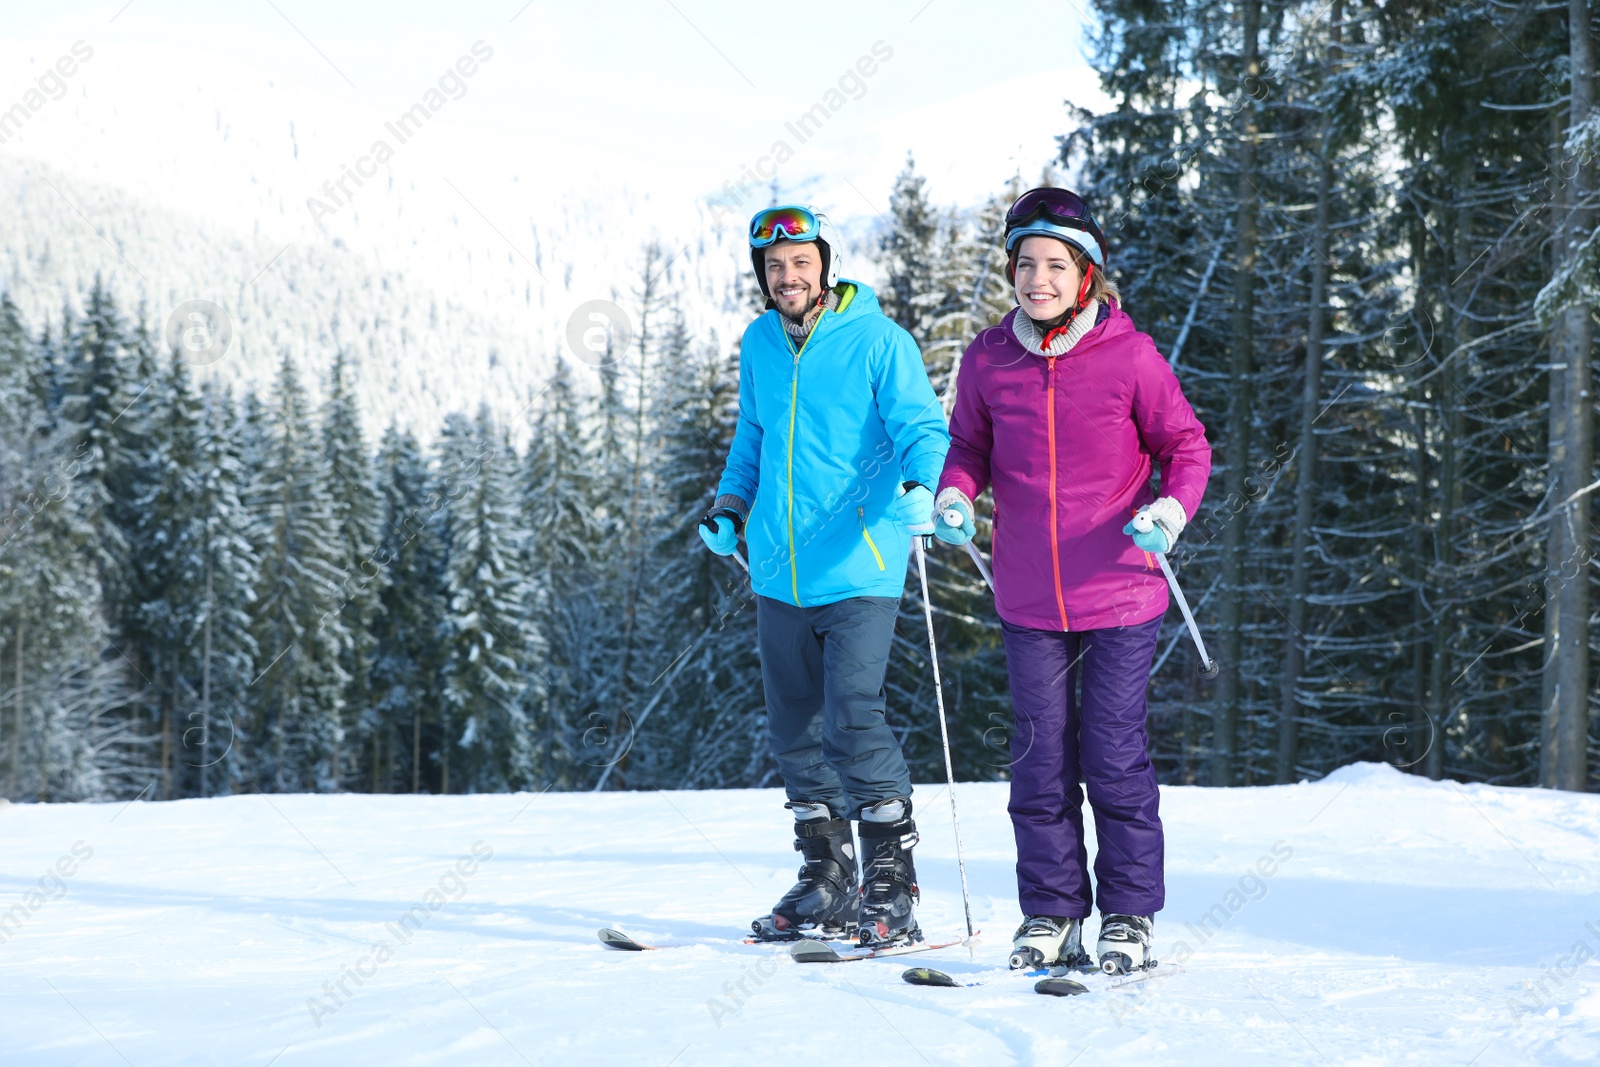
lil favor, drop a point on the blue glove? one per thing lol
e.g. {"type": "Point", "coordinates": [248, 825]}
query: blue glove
{"type": "Point", "coordinates": [1152, 540]}
{"type": "Point", "coordinates": [953, 504]}
{"type": "Point", "coordinates": [718, 534]}
{"type": "Point", "coordinates": [913, 509]}
{"type": "Point", "coordinates": [1156, 526]}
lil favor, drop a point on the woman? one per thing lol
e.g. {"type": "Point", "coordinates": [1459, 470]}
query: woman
{"type": "Point", "coordinates": [1065, 410]}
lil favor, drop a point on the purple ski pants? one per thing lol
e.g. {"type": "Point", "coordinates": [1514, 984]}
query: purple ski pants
{"type": "Point", "coordinates": [1097, 735]}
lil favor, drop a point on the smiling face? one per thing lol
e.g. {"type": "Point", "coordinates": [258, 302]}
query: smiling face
{"type": "Point", "coordinates": [794, 276]}
{"type": "Point", "coordinates": [1047, 278]}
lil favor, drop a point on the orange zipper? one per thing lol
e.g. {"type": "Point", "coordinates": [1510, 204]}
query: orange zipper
{"type": "Point", "coordinates": [1149, 559]}
{"type": "Point", "coordinates": [1055, 546]}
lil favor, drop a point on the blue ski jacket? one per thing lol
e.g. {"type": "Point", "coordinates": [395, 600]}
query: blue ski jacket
{"type": "Point", "coordinates": [826, 434]}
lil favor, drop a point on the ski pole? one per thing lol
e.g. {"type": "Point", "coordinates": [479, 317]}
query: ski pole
{"type": "Point", "coordinates": [944, 730]}
{"type": "Point", "coordinates": [953, 518]}
{"type": "Point", "coordinates": [1208, 666]}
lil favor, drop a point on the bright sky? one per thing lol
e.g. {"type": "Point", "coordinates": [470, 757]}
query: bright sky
{"type": "Point", "coordinates": [683, 94]}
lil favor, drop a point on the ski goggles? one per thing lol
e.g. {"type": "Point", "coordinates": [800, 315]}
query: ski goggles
{"type": "Point", "coordinates": [1058, 213]}
{"type": "Point", "coordinates": [783, 223]}
{"type": "Point", "coordinates": [1061, 206]}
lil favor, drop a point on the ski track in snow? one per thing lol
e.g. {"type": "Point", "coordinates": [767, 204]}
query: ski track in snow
{"type": "Point", "coordinates": [1414, 922]}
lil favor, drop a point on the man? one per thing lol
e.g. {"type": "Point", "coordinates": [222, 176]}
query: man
{"type": "Point", "coordinates": [840, 439]}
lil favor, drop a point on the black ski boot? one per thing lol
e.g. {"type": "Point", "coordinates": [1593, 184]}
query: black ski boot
{"type": "Point", "coordinates": [823, 902]}
{"type": "Point", "coordinates": [889, 878]}
{"type": "Point", "coordinates": [1124, 944]}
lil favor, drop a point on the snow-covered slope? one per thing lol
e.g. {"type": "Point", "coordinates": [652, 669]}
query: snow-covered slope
{"type": "Point", "coordinates": [1370, 918]}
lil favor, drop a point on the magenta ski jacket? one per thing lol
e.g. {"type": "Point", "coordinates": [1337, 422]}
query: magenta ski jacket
{"type": "Point", "coordinates": [1068, 443]}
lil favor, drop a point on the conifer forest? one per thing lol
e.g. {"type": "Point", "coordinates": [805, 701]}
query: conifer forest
{"type": "Point", "coordinates": [1364, 233]}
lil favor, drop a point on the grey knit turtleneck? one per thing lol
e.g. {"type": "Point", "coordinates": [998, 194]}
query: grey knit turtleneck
{"type": "Point", "coordinates": [800, 329]}
{"type": "Point", "coordinates": [1028, 334]}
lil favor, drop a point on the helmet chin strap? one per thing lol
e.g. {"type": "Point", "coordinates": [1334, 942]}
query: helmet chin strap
{"type": "Point", "coordinates": [1072, 314]}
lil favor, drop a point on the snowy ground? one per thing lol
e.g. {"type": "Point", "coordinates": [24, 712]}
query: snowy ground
{"type": "Point", "coordinates": [1403, 922]}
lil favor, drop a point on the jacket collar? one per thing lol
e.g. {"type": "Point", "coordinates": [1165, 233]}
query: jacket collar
{"type": "Point", "coordinates": [1028, 334]}
{"type": "Point", "coordinates": [1084, 333]}
{"type": "Point", "coordinates": [854, 299]}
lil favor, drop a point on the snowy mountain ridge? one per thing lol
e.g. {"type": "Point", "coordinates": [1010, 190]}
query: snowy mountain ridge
{"type": "Point", "coordinates": [450, 271]}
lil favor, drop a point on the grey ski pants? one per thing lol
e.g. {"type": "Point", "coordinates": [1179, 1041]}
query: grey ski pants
{"type": "Point", "coordinates": [822, 669]}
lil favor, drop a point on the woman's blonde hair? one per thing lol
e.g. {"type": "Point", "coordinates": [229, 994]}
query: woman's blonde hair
{"type": "Point", "coordinates": [1101, 286]}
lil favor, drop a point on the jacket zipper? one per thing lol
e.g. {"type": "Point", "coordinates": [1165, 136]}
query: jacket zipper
{"type": "Point", "coordinates": [1055, 546]}
{"type": "Point", "coordinates": [1149, 559]}
{"type": "Point", "coordinates": [794, 403]}
{"type": "Point", "coordinates": [870, 543]}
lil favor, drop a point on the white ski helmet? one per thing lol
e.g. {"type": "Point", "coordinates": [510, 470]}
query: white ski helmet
{"type": "Point", "coordinates": [793, 222]}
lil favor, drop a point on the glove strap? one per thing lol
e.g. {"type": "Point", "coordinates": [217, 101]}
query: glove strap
{"type": "Point", "coordinates": [951, 495]}
{"type": "Point", "coordinates": [710, 521]}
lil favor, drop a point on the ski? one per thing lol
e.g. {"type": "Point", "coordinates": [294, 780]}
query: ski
{"type": "Point", "coordinates": [1060, 987]}
{"type": "Point", "coordinates": [616, 939]}
{"type": "Point", "coordinates": [1052, 981]}
{"type": "Point", "coordinates": [822, 952]}
{"type": "Point", "coordinates": [1098, 981]}
{"type": "Point", "coordinates": [763, 930]}
{"type": "Point", "coordinates": [929, 976]}
{"type": "Point", "coordinates": [623, 943]}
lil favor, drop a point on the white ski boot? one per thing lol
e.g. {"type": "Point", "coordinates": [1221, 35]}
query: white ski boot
{"type": "Point", "coordinates": [1124, 944]}
{"type": "Point", "coordinates": [1048, 941]}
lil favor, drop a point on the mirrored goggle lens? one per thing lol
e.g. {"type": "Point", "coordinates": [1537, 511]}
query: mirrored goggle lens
{"type": "Point", "coordinates": [793, 223]}
{"type": "Point", "coordinates": [1057, 202]}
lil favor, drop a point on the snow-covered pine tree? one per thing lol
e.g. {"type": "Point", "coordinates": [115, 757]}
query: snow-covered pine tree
{"type": "Point", "coordinates": [1475, 186]}
{"type": "Point", "coordinates": [1186, 172]}
{"type": "Point", "coordinates": [493, 649]}
{"type": "Point", "coordinates": [969, 271]}
{"type": "Point", "coordinates": [222, 570]}
{"type": "Point", "coordinates": [631, 470]}
{"type": "Point", "coordinates": [949, 271]}
{"type": "Point", "coordinates": [1382, 158]}
{"type": "Point", "coordinates": [362, 575]}
{"type": "Point", "coordinates": [910, 256]}
{"type": "Point", "coordinates": [105, 373]}
{"type": "Point", "coordinates": [298, 694]}
{"type": "Point", "coordinates": [1566, 307]}
{"type": "Point", "coordinates": [977, 294]}
{"type": "Point", "coordinates": [563, 509]}
{"type": "Point", "coordinates": [98, 390]}
{"type": "Point", "coordinates": [66, 731]}
{"type": "Point", "coordinates": [1333, 293]}
{"type": "Point", "coordinates": [409, 628]}
{"type": "Point", "coordinates": [161, 615]}
{"type": "Point", "coordinates": [696, 724]}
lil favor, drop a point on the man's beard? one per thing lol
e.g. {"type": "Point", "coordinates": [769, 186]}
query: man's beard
{"type": "Point", "coordinates": [799, 316]}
